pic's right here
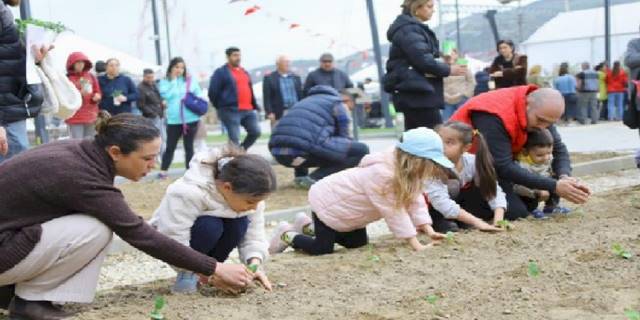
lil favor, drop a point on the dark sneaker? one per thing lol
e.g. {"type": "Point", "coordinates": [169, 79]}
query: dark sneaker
{"type": "Point", "coordinates": [538, 214]}
{"type": "Point", "coordinates": [557, 210]}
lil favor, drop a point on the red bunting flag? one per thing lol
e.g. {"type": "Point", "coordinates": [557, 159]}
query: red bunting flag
{"type": "Point", "coordinates": [294, 25]}
{"type": "Point", "coordinates": [251, 10]}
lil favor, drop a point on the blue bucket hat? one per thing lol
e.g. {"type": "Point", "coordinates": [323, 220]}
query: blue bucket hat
{"type": "Point", "coordinates": [424, 143]}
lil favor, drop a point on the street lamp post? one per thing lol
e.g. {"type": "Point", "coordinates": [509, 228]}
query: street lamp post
{"type": "Point", "coordinates": [384, 98]}
{"type": "Point", "coordinates": [607, 31]}
{"type": "Point", "coordinates": [156, 31]}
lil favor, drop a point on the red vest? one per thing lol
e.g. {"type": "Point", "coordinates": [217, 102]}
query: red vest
{"type": "Point", "coordinates": [509, 104]}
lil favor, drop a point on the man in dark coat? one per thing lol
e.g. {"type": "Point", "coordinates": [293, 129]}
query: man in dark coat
{"type": "Point", "coordinates": [327, 75]}
{"type": "Point", "coordinates": [281, 90]}
{"type": "Point", "coordinates": [315, 133]}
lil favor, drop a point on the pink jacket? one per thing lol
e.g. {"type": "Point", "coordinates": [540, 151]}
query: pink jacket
{"type": "Point", "coordinates": [353, 198]}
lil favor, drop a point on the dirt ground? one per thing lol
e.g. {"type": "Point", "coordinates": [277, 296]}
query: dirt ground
{"type": "Point", "coordinates": [480, 276]}
{"type": "Point", "coordinates": [144, 197]}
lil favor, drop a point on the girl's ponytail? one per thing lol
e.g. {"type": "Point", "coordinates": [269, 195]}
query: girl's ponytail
{"type": "Point", "coordinates": [486, 173]}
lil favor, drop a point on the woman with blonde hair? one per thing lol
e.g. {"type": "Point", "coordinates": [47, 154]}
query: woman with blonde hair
{"type": "Point", "coordinates": [414, 73]}
{"type": "Point", "coordinates": [535, 77]}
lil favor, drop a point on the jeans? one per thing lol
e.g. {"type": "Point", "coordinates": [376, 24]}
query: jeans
{"type": "Point", "coordinates": [174, 132]}
{"type": "Point", "coordinates": [519, 207]}
{"type": "Point", "coordinates": [570, 110]}
{"type": "Point", "coordinates": [326, 167]}
{"type": "Point", "coordinates": [325, 237]}
{"type": "Point", "coordinates": [616, 105]}
{"type": "Point", "coordinates": [217, 237]}
{"type": "Point", "coordinates": [450, 109]}
{"type": "Point", "coordinates": [588, 107]}
{"type": "Point", "coordinates": [17, 138]}
{"type": "Point", "coordinates": [234, 118]}
{"type": "Point", "coordinates": [41, 129]}
{"type": "Point", "coordinates": [81, 131]}
{"type": "Point", "coordinates": [162, 126]}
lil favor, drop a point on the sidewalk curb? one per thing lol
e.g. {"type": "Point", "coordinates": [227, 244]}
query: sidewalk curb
{"type": "Point", "coordinates": [579, 170]}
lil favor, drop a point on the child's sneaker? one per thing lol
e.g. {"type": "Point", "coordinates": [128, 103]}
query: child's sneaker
{"type": "Point", "coordinates": [303, 224]}
{"type": "Point", "coordinates": [162, 176]}
{"type": "Point", "coordinates": [304, 182]}
{"type": "Point", "coordinates": [279, 240]}
{"type": "Point", "coordinates": [538, 214]}
{"type": "Point", "coordinates": [186, 283]}
{"type": "Point", "coordinates": [557, 210]}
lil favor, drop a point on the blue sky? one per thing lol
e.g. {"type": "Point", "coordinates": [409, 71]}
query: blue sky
{"type": "Point", "coordinates": [202, 29]}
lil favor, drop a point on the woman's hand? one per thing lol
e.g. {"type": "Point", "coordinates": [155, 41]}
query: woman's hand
{"type": "Point", "coordinates": [231, 278]}
{"type": "Point", "coordinates": [497, 74]}
{"type": "Point", "coordinates": [96, 97]}
{"type": "Point", "coordinates": [4, 144]}
{"type": "Point", "coordinates": [40, 53]}
{"type": "Point", "coordinates": [458, 70]}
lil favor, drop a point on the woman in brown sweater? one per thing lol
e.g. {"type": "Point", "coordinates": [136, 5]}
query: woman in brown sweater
{"type": "Point", "coordinates": [59, 208]}
{"type": "Point", "coordinates": [508, 69]}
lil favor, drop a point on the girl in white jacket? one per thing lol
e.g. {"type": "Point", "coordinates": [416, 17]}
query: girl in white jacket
{"type": "Point", "coordinates": [216, 206]}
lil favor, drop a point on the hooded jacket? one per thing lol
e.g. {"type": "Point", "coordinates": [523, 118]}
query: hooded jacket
{"type": "Point", "coordinates": [414, 76]}
{"type": "Point", "coordinates": [195, 195]}
{"type": "Point", "coordinates": [88, 86]}
{"type": "Point", "coordinates": [353, 198]}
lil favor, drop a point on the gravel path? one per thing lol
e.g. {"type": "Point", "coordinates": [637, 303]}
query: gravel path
{"type": "Point", "coordinates": [135, 267]}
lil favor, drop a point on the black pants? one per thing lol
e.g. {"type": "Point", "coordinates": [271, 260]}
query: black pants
{"type": "Point", "coordinates": [217, 237]}
{"type": "Point", "coordinates": [174, 132]}
{"type": "Point", "coordinates": [326, 167]}
{"type": "Point", "coordinates": [471, 201]}
{"type": "Point", "coordinates": [325, 238]}
{"type": "Point", "coordinates": [520, 207]}
{"type": "Point", "coordinates": [421, 117]}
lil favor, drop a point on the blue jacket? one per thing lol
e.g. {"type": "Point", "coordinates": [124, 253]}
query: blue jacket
{"type": "Point", "coordinates": [310, 126]}
{"type": "Point", "coordinates": [120, 83]}
{"type": "Point", "coordinates": [414, 76]}
{"type": "Point", "coordinates": [173, 91]}
{"type": "Point", "coordinates": [222, 89]}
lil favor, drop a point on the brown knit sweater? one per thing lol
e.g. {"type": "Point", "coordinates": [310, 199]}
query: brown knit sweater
{"type": "Point", "coordinates": [70, 177]}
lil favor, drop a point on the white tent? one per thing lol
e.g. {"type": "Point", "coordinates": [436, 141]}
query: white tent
{"type": "Point", "coordinates": [68, 42]}
{"type": "Point", "coordinates": [578, 36]}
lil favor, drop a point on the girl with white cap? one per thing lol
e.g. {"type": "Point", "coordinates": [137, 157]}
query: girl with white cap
{"type": "Point", "coordinates": [386, 185]}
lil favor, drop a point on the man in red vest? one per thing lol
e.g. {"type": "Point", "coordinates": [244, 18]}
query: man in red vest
{"type": "Point", "coordinates": [503, 117]}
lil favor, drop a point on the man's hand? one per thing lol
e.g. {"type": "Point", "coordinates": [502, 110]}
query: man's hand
{"type": "Point", "coordinates": [573, 190]}
{"type": "Point", "coordinates": [4, 144]}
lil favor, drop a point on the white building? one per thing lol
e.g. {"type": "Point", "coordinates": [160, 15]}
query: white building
{"type": "Point", "coordinates": [578, 36]}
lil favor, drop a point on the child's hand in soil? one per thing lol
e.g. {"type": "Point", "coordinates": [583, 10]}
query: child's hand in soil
{"type": "Point", "coordinates": [428, 230]}
{"type": "Point", "coordinates": [262, 279]}
{"type": "Point", "coordinates": [485, 227]}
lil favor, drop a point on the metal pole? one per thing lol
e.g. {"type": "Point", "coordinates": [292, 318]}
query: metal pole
{"type": "Point", "coordinates": [384, 99]}
{"type": "Point", "coordinates": [25, 9]}
{"type": "Point", "coordinates": [458, 42]}
{"type": "Point", "coordinates": [156, 31]}
{"type": "Point", "coordinates": [440, 22]}
{"type": "Point", "coordinates": [166, 24]}
{"type": "Point", "coordinates": [607, 31]}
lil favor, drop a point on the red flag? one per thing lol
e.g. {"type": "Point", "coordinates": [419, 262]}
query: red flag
{"type": "Point", "coordinates": [251, 10]}
{"type": "Point", "coordinates": [293, 26]}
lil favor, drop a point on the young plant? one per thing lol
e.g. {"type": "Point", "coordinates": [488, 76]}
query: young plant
{"type": "Point", "coordinates": [450, 237]}
{"type": "Point", "coordinates": [619, 251]}
{"type": "Point", "coordinates": [532, 269]}
{"type": "Point", "coordinates": [116, 93]}
{"type": "Point", "coordinates": [505, 224]}
{"type": "Point", "coordinates": [56, 27]}
{"type": "Point", "coordinates": [432, 299]}
{"type": "Point", "coordinates": [372, 256]}
{"type": "Point", "coordinates": [156, 314]}
{"type": "Point", "coordinates": [632, 314]}
{"type": "Point", "coordinates": [253, 267]}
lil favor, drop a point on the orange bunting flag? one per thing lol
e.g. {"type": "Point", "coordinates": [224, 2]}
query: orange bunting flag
{"type": "Point", "coordinates": [251, 10]}
{"type": "Point", "coordinates": [293, 26]}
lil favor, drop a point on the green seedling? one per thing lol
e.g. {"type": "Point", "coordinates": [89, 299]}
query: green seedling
{"type": "Point", "coordinates": [116, 93]}
{"type": "Point", "coordinates": [372, 256]}
{"type": "Point", "coordinates": [156, 314]}
{"type": "Point", "coordinates": [450, 237]}
{"type": "Point", "coordinates": [505, 224]}
{"type": "Point", "coordinates": [632, 314]}
{"type": "Point", "coordinates": [253, 267]}
{"type": "Point", "coordinates": [432, 299]}
{"type": "Point", "coordinates": [56, 27]}
{"type": "Point", "coordinates": [619, 251]}
{"type": "Point", "coordinates": [532, 269]}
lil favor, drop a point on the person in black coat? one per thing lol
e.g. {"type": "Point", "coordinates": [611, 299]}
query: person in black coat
{"type": "Point", "coordinates": [327, 75]}
{"type": "Point", "coordinates": [281, 90]}
{"type": "Point", "coordinates": [14, 91]}
{"type": "Point", "coordinates": [414, 72]}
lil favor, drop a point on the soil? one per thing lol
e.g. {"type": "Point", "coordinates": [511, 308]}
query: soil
{"type": "Point", "coordinates": [144, 197]}
{"type": "Point", "coordinates": [479, 276]}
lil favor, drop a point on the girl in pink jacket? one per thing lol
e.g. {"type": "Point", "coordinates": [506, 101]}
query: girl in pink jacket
{"type": "Point", "coordinates": [386, 185]}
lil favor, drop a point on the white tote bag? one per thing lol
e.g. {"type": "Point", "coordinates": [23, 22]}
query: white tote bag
{"type": "Point", "coordinates": [69, 97]}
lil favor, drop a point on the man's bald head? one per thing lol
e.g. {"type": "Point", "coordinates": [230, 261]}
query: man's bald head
{"type": "Point", "coordinates": [282, 63]}
{"type": "Point", "coordinates": [544, 107]}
